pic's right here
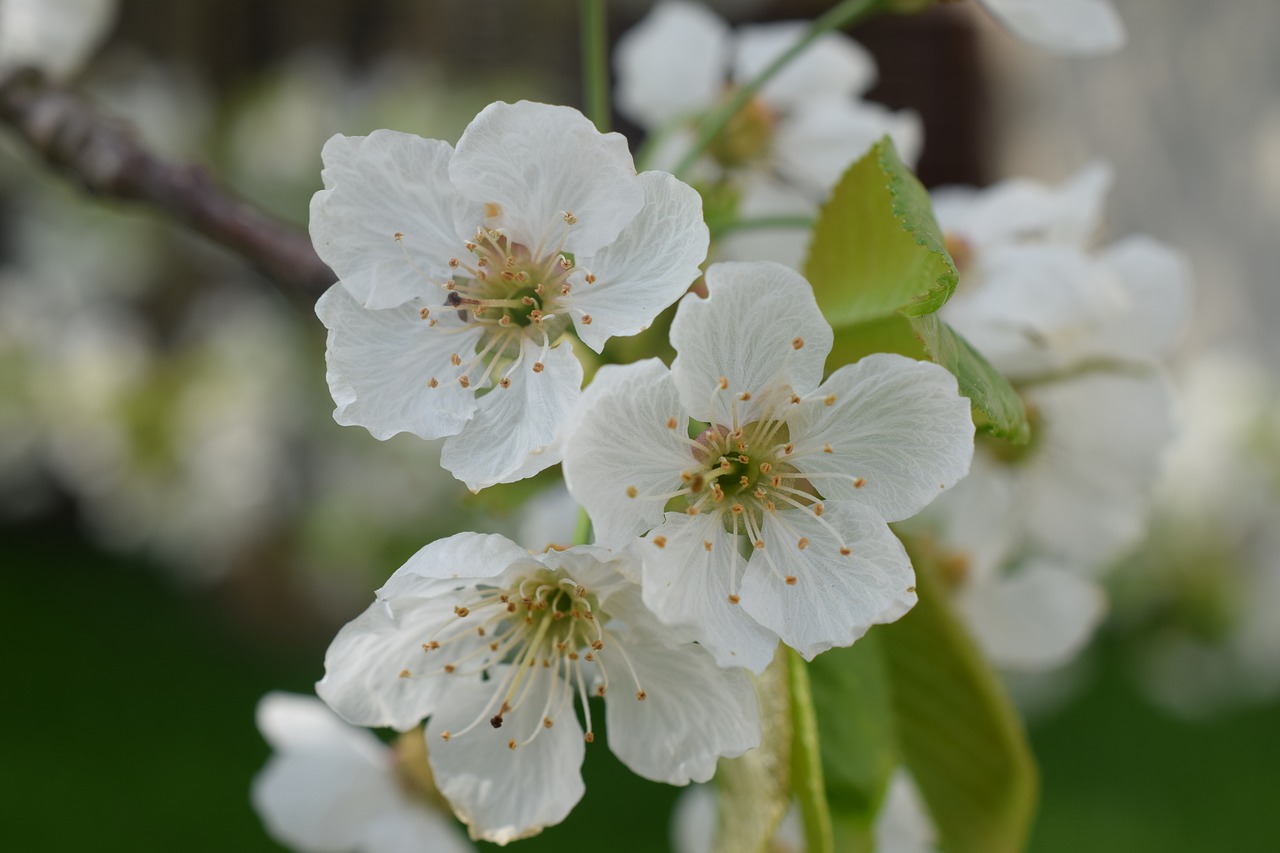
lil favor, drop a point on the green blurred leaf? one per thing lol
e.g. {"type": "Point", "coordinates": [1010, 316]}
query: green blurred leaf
{"type": "Point", "coordinates": [852, 702]}
{"type": "Point", "coordinates": [755, 789]}
{"type": "Point", "coordinates": [876, 248]}
{"type": "Point", "coordinates": [959, 735]}
{"type": "Point", "coordinates": [1001, 408]}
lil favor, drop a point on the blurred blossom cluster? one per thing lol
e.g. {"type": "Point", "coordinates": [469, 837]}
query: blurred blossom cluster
{"type": "Point", "coordinates": [160, 386]}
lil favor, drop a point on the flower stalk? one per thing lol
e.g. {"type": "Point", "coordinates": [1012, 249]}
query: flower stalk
{"type": "Point", "coordinates": [807, 780]}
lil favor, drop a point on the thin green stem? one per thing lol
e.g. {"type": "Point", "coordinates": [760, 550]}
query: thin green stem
{"type": "Point", "coordinates": [840, 15]}
{"type": "Point", "coordinates": [595, 62]}
{"type": "Point", "coordinates": [807, 782]}
{"type": "Point", "coordinates": [721, 227]}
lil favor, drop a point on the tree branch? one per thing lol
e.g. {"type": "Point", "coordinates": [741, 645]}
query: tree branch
{"type": "Point", "coordinates": [107, 159]}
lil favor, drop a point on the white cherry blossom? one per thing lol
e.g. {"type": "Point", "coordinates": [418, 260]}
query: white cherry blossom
{"type": "Point", "coordinates": [460, 272]}
{"type": "Point", "coordinates": [786, 149]}
{"type": "Point", "coordinates": [333, 788]}
{"type": "Point", "coordinates": [771, 520]}
{"type": "Point", "coordinates": [493, 644]}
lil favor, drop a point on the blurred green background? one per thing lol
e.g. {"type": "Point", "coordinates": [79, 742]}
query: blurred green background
{"type": "Point", "coordinates": [128, 725]}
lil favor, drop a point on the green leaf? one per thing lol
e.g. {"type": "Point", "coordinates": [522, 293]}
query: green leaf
{"type": "Point", "coordinates": [852, 703]}
{"type": "Point", "coordinates": [755, 789]}
{"type": "Point", "coordinates": [1001, 408]}
{"type": "Point", "coordinates": [998, 408]}
{"type": "Point", "coordinates": [876, 249]}
{"type": "Point", "coordinates": [959, 735]}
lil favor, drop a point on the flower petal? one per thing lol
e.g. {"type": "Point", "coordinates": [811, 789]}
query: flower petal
{"type": "Point", "coordinates": [1036, 618]}
{"type": "Point", "coordinates": [836, 597]}
{"type": "Point", "coordinates": [833, 65]}
{"type": "Point", "coordinates": [1086, 488]}
{"type": "Point", "coordinates": [672, 64]}
{"type": "Point", "coordinates": [1039, 308]}
{"type": "Point", "coordinates": [323, 789]}
{"type": "Point", "coordinates": [651, 264]}
{"type": "Point", "coordinates": [624, 442]}
{"type": "Point", "coordinates": [898, 432]}
{"type": "Point", "coordinates": [1012, 211]}
{"type": "Point", "coordinates": [693, 711]}
{"type": "Point", "coordinates": [688, 584]}
{"type": "Point", "coordinates": [512, 434]}
{"type": "Point", "coordinates": [365, 665]}
{"type": "Point", "coordinates": [413, 830]}
{"type": "Point", "coordinates": [760, 328]}
{"type": "Point", "coordinates": [539, 162]}
{"type": "Point", "coordinates": [1063, 26]}
{"type": "Point", "coordinates": [463, 556]}
{"type": "Point", "coordinates": [501, 793]}
{"type": "Point", "coordinates": [819, 141]}
{"type": "Point", "coordinates": [376, 187]}
{"type": "Point", "coordinates": [380, 363]}
{"type": "Point", "coordinates": [1158, 280]}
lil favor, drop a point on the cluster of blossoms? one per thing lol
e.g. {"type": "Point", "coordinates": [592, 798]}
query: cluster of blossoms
{"type": "Point", "coordinates": [1081, 334]}
{"type": "Point", "coordinates": [741, 496]}
{"type": "Point", "coordinates": [737, 497]}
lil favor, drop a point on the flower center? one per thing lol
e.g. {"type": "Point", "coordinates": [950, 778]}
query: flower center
{"type": "Point", "coordinates": [747, 138]}
{"type": "Point", "coordinates": [510, 292]}
{"type": "Point", "coordinates": [545, 626]}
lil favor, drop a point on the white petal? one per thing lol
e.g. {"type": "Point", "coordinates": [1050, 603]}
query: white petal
{"type": "Point", "coordinates": [688, 585]}
{"type": "Point", "coordinates": [503, 794]}
{"type": "Point", "coordinates": [651, 264]}
{"type": "Point", "coordinates": [295, 723]}
{"type": "Point", "coordinates": [833, 65]}
{"type": "Point", "coordinates": [817, 144]}
{"type": "Point", "coordinates": [622, 442]}
{"type": "Point", "coordinates": [763, 196]}
{"type": "Point", "coordinates": [899, 425]}
{"type": "Point", "coordinates": [1015, 210]}
{"type": "Point", "coordinates": [463, 556]}
{"type": "Point", "coordinates": [380, 363]}
{"type": "Point", "coordinates": [836, 597]}
{"type": "Point", "coordinates": [513, 432]}
{"type": "Point", "coordinates": [693, 821]}
{"type": "Point", "coordinates": [537, 162]}
{"type": "Point", "coordinates": [1064, 26]}
{"type": "Point", "coordinates": [1038, 617]}
{"type": "Point", "coordinates": [1040, 308]}
{"type": "Point", "coordinates": [746, 331]}
{"type": "Point", "coordinates": [1086, 490]}
{"type": "Point", "coordinates": [364, 664]}
{"type": "Point", "coordinates": [694, 712]}
{"type": "Point", "coordinates": [903, 824]}
{"type": "Point", "coordinates": [414, 829]}
{"type": "Point", "coordinates": [327, 780]}
{"type": "Point", "coordinates": [1158, 280]}
{"type": "Point", "coordinates": [376, 187]}
{"type": "Point", "coordinates": [671, 64]}
{"type": "Point", "coordinates": [976, 520]}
